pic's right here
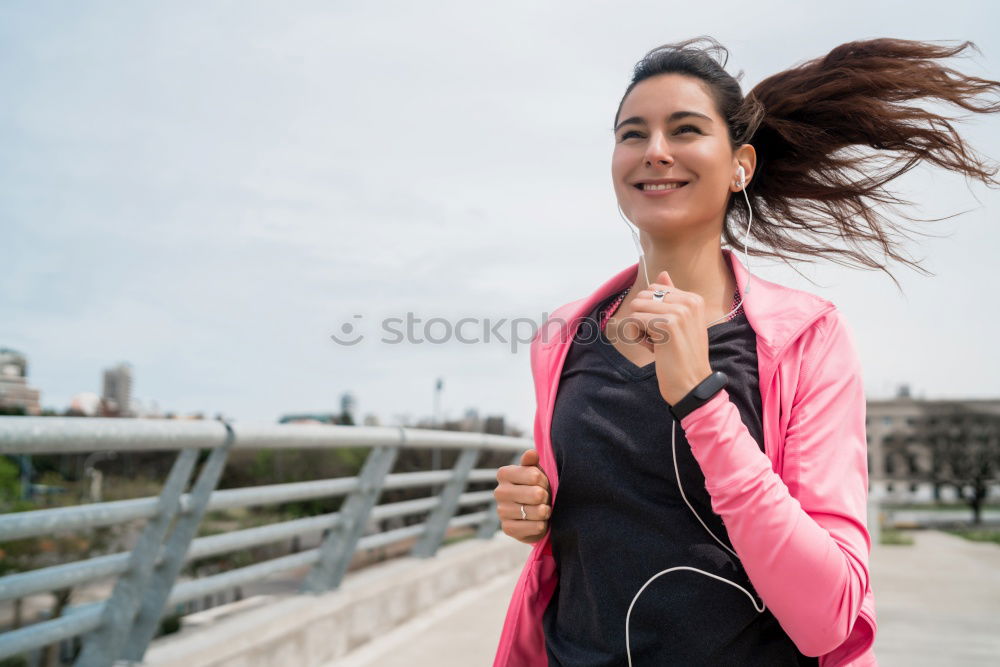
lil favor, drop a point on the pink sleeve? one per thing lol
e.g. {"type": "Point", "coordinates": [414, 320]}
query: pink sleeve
{"type": "Point", "coordinates": [803, 537]}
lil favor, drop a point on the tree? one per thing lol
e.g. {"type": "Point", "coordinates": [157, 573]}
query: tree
{"type": "Point", "coordinates": [952, 444]}
{"type": "Point", "coordinates": [30, 553]}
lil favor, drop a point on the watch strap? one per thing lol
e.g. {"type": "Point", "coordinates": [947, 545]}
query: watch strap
{"type": "Point", "coordinates": [702, 393]}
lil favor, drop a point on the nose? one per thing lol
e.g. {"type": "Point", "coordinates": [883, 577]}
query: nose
{"type": "Point", "coordinates": [658, 150]}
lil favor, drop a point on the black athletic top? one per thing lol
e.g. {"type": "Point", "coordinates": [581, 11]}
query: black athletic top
{"type": "Point", "coordinates": [620, 519]}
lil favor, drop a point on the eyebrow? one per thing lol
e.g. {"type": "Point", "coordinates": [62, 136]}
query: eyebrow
{"type": "Point", "coordinates": [677, 115]}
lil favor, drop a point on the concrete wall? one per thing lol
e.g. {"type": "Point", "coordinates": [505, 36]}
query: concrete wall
{"type": "Point", "coordinates": [306, 630]}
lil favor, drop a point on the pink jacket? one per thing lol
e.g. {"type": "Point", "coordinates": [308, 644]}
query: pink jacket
{"type": "Point", "coordinates": [795, 514]}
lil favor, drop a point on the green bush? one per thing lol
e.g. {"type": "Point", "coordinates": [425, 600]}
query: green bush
{"type": "Point", "coordinates": [980, 535]}
{"type": "Point", "coordinates": [895, 537]}
{"type": "Point", "coordinates": [10, 481]}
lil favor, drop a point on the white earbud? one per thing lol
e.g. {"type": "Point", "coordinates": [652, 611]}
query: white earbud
{"type": "Point", "coordinates": [742, 175]}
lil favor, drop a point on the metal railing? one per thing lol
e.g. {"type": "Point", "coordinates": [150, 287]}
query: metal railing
{"type": "Point", "coordinates": [121, 627]}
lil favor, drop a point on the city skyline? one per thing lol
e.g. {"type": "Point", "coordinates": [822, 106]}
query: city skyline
{"type": "Point", "coordinates": [149, 407]}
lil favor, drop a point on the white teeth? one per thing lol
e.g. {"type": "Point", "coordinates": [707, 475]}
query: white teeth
{"type": "Point", "coordinates": [661, 186]}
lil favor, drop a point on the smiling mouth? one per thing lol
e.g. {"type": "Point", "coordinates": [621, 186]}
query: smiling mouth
{"type": "Point", "coordinates": [658, 188]}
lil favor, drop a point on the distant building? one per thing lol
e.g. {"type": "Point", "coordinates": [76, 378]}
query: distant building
{"type": "Point", "coordinates": [471, 421]}
{"type": "Point", "coordinates": [888, 477]}
{"type": "Point", "coordinates": [347, 402]}
{"type": "Point", "coordinates": [14, 390]}
{"type": "Point", "coordinates": [310, 418]}
{"type": "Point", "coordinates": [86, 403]}
{"type": "Point", "coordinates": [117, 392]}
{"type": "Point", "coordinates": [495, 424]}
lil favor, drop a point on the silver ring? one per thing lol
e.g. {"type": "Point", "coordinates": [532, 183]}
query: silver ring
{"type": "Point", "coordinates": [523, 515]}
{"type": "Point", "coordinates": [659, 294]}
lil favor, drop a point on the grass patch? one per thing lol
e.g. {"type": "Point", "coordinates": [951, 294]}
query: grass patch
{"type": "Point", "coordinates": [895, 537]}
{"type": "Point", "coordinates": [936, 507]}
{"type": "Point", "coordinates": [978, 534]}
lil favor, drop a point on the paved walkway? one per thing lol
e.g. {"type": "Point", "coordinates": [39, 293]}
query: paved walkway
{"type": "Point", "coordinates": [938, 603]}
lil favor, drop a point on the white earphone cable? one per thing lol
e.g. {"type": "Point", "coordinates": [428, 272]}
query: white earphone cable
{"type": "Point", "coordinates": [673, 436]}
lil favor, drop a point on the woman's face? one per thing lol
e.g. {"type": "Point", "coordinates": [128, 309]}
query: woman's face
{"type": "Point", "coordinates": [654, 139]}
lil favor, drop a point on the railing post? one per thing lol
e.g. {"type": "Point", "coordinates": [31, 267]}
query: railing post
{"type": "Point", "coordinates": [338, 548]}
{"type": "Point", "coordinates": [147, 621]}
{"type": "Point", "coordinates": [491, 524]}
{"type": "Point", "coordinates": [101, 647]}
{"type": "Point", "coordinates": [437, 522]}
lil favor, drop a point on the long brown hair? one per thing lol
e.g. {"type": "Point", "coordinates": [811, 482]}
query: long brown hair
{"type": "Point", "coordinates": [809, 125]}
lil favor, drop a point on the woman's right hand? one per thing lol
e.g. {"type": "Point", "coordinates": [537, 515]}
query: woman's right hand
{"type": "Point", "coordinates": [526, 485]}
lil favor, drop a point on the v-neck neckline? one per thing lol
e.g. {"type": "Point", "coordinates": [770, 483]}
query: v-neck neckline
{"type": "Point", "coordinates": [630, 369]}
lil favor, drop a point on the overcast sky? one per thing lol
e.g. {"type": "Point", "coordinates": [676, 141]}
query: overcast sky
{"type": "Point", "coordinates": [210, 190]}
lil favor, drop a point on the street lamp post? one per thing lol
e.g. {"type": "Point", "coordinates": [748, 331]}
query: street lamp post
{"type": "Point", "coordinates": [436, 452]}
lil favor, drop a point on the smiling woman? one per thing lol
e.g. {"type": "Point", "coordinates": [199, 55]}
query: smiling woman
{"type": "Point", "coordinates": [707, 447]}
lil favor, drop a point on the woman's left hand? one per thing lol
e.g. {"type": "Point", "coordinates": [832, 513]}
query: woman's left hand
{"type": "Point", "coordinates": [677, 335]}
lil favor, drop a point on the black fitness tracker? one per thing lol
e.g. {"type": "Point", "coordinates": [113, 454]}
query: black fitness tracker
{"type": "Point", "coordinates": [700, 395]}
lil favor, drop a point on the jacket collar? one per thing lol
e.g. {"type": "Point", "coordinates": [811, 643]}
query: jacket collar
{"type": "Point", "coordinates": [776, 313]}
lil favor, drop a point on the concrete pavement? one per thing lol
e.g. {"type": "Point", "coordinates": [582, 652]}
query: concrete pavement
{"type": "Point", "coordinates": [938, 603]}
{"type": "Point", "coordinates": [462, 631]}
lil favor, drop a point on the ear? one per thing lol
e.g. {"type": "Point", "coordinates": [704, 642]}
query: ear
{"type": "Point", "coordinates": [746, 157]}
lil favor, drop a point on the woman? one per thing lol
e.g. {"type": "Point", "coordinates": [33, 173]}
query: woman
{"type": "Point", "coordinates": [703, 428]}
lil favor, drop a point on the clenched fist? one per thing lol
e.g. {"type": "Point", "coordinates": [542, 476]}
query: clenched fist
{"type": "Point", "coordinates": [523, 486]}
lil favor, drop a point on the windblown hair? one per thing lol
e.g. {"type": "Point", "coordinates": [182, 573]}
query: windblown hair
{"type": "Point", "coordinates": [811, 126]}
